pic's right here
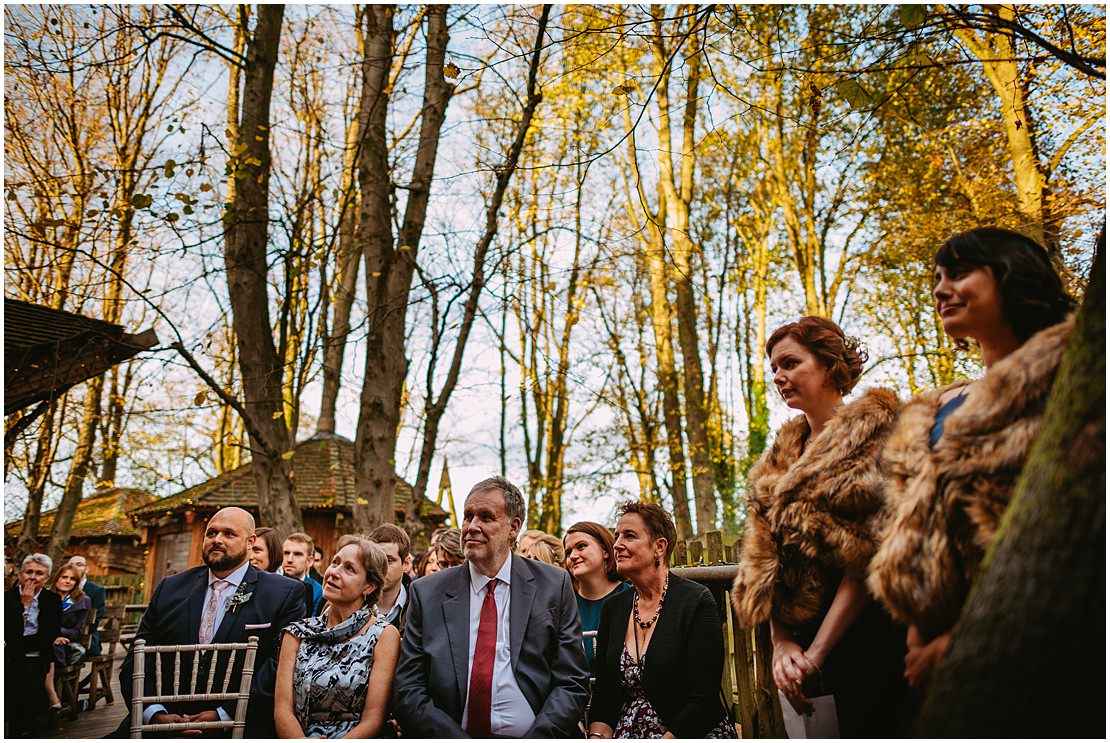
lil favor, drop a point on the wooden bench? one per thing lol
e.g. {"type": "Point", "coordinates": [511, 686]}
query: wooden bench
{"type": "Point", "coordinates": [66, 678]}
{"type": "Point", "coordinates": [128, 630]}
{"type": "Point", "coordinates": [98, 684]}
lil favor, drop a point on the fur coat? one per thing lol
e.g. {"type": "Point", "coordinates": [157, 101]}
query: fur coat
{"type": "Point", "coordinates": [943, 505]}
{"type": "Point", "coordinates": [810, 513]}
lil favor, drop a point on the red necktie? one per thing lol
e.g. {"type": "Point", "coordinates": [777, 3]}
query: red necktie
{"type": "Point", "coordinates": [481, 673]}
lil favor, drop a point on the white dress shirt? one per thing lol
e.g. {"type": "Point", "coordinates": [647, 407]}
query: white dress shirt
{"type": "Point", "coordinates": [234, 579]}
{"type": "Point", "coordinates": [510, 714]}
{"type": "Point", "coordinates": [31, 621]}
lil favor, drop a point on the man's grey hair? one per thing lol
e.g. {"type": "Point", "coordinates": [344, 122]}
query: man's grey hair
{"type": "Point", "coordinates": [41, 559]}
{"type": "Point", "coordinates": [514, 501]}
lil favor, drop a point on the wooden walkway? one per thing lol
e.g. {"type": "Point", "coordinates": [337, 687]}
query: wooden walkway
{"type": "Point", "coordinates": [99, 722]}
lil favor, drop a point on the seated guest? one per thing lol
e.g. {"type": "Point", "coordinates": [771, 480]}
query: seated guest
{"type": "Point", "coordinates": [492, 647]}
{"type": "Point", "coordinates": [317, 559]}
{"type": "Point", "coordinates": [677, 693]}
{"type": "Point", "coordinates": [75, 613]}
{"type": "Point", "coordinates": [335, 675]}
{"type": "Point", "coordinates": [428, 563]}
{"type": "Point", "coordinates": [226, 600]}
{"type": "Point", "coordinates": [446, 551]}
{"type": "Point", "coordinates": [42, 620]}
{"type": "Point", "coordinates": [297, 552]}
{"type": "Point", "coordinates": [392, 605]}
{"type": "Point", "coordinates": [266, 552]}
{"type": "Point", "coordinates": [593, 571]}
{"type": "Point", "coordinates": [96, 595]}
{"type": "Point", "coordinates": [545, 548]}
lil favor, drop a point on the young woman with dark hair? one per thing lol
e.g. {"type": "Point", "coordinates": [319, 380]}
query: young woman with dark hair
{"type": "Point", "coordinates": [593, 573]}
{"type": "Point", "coordinates": [812, 506]}
{"type": "Point", "coordinates": [956, 452]}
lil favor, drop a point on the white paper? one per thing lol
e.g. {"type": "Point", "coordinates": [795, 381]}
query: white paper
{"type": "Point", "coordinates": [821, 724]}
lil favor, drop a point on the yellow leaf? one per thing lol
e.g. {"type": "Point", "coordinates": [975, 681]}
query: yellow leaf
{"type": "Point", "coordinates": [276, 415]}
{"type": "Point", "coordinates": [287, 455]}
{"type": "Point", "coordinates": [450, 70]}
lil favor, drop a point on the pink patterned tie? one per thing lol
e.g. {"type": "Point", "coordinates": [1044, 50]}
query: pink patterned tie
{"type": "Point", "coordinates": [208, 621]}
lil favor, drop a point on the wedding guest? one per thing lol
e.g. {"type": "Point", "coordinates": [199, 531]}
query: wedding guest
{"type": "Point", "coordinates": [76, 606]}
{"type": "Point", "coordinates": [42, 620]}
{"type": "Point", "coordinates": [545, 548]}
{"type": "Point", "coordinates": [98, 597]}
{"type": "Point", "coordinates": [297, 557]}
{"type": "Point", "coordinates": [593, 571]}
{"type": "Point", "coordinates": [660, 652]}
{"type": "Point", "coordinates": [227, 599]}
{"type": "Point", "coordinates": [266, 552]}
{"type": "Point", "coordinates": [335, 673]}
{"type": "Point", "coordinates": [956, 452]}
{"type": "Point", "coordinates": [811, 527]}
{"type": "Point", "coordinates": [392, 604]}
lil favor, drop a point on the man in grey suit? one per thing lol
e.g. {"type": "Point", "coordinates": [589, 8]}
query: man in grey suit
{"type": "Point", "coordinates": [493, 647]}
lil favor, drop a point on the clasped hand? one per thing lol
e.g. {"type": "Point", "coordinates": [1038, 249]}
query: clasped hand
{"type": "Point", "coordinates": [209, 715]}
{"type": "Point", "coordinates": [790, 667]}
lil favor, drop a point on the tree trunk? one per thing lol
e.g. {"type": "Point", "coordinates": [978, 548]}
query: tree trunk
{"type": "Point", "coordinates": [434, 410]}
{"type": "Point", "coordinates": [677, 198]}
{"type": "Point", "coordinates": [78, 471]}
{"type": "Point", "coordinates": [1028, 653]}
{"type": "Point", "coordinates": [36, 485]}
{"type": "Point", "coordinates": [246, 235]}
{"type": "Point", "coordinates": [347, 262]}
{"type": "Point", "coordinates": [389, 269]}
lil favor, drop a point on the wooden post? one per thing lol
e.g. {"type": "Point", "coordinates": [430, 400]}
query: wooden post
{"type": "Point", "coordinates": [678, 556]}
{"type": "Point", "coordinates": [714, 548]}
{"type": "Point", "coordinates": [694, 555]}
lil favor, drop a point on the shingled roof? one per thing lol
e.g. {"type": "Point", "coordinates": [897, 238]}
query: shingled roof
{"type": "Point", "coordinates": [102, 514]}
{"type": "Point", "coordinates": [323, 476]}
{"type": "Point", "coordinates": [47, 351]}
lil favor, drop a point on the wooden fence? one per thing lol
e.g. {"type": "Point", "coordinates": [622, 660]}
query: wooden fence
{"type": "Point", "coordinates": [121, 589]}
{"type": "Point", "coordinates": [746, 680]}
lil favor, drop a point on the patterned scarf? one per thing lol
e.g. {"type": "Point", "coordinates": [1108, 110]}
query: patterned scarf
{"type": "Point", "coordinates": [316, 629]}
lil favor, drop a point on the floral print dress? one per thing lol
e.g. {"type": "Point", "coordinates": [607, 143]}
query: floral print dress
{"type": "Point", "coordinates": [332, 671]}
{"type": "Point", "coordinates": [638, 718]}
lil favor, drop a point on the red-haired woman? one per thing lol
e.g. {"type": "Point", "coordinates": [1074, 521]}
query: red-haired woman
{"type": "Point", "coordinates": [812, 509]}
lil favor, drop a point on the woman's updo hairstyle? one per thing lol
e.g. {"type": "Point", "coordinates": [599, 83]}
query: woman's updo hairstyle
{"type": "Point", "coordinates": [844, 357]}
{"type": "Point", "coordinates": [373, 561]}
{"type": "Point", "coordinates": [1033, 296]}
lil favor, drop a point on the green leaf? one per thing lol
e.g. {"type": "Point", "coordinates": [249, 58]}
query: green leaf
{"type": "Point", "coordinates": [855, 94]}
{"type": "Point", "coordinates": [912, 16]}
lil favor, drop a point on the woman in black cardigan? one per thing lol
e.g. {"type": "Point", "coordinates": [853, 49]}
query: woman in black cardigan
{"type": "Point", "coordinates": [660, 652]}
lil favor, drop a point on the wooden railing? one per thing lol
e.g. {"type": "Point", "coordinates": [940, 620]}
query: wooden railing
{"type": "Point", "coordinates": [746, 680]}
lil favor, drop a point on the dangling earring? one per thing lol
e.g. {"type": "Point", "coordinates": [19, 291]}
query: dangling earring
{"type": "Point", "coordinates": [657, 562]}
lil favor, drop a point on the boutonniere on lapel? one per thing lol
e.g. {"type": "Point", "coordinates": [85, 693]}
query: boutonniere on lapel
{"type": "Point", "coordinates": [239, 598]}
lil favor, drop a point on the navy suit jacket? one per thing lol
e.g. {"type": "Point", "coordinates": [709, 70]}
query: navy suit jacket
{"type": "Point", "coordinates": [99, 604]}
{"type": "Point", "coordinates": [173, 618]}
{"type": "Point", "coordinates": [546, 646]}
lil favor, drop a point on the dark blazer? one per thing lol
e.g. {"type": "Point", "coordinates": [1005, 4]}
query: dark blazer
{"type": "Point", "coordinates": [99, 603]}
{"type": "Point", "coordinates": [682, 664]}
{"type": "Point", "coordinates": [547, 657]}
{"type": "Point", "coordinates": [50, 623]}
{"type": "Point", "coordinates": [73, 625]}
{"type": "Point", "coordinates": [402, 616]}
{"type": "Point", "coordinates": [173, 618]}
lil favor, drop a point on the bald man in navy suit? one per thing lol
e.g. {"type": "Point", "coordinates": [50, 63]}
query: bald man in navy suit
{"type": "Point", "coordinates": [248, 602]}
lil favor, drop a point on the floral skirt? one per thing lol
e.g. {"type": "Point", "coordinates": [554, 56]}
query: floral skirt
{"type": "Point", "coordinates": [638, 718]}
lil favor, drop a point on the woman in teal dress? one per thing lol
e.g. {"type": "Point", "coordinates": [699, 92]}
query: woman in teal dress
{"type": "Point", "coordinates": [593, 571]}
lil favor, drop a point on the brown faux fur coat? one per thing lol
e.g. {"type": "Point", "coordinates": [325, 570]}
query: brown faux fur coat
{"type": "Point", "coordinates": [810, 513]}
{"type": "Point", "coordinates": [943, 505]}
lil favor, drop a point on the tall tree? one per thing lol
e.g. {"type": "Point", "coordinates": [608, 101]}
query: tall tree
{"type": "Point", "coordinates": [389, 263]}
{"type": "Point", "coordinates": [246, 239]}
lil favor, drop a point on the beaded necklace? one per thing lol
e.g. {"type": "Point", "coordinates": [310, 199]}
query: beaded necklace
{"type": "Point", "coordinates": [636, 606]}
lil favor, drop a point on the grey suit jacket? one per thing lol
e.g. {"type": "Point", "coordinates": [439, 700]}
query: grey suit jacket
{"type": "Point", "coordinates": [547, 657]}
